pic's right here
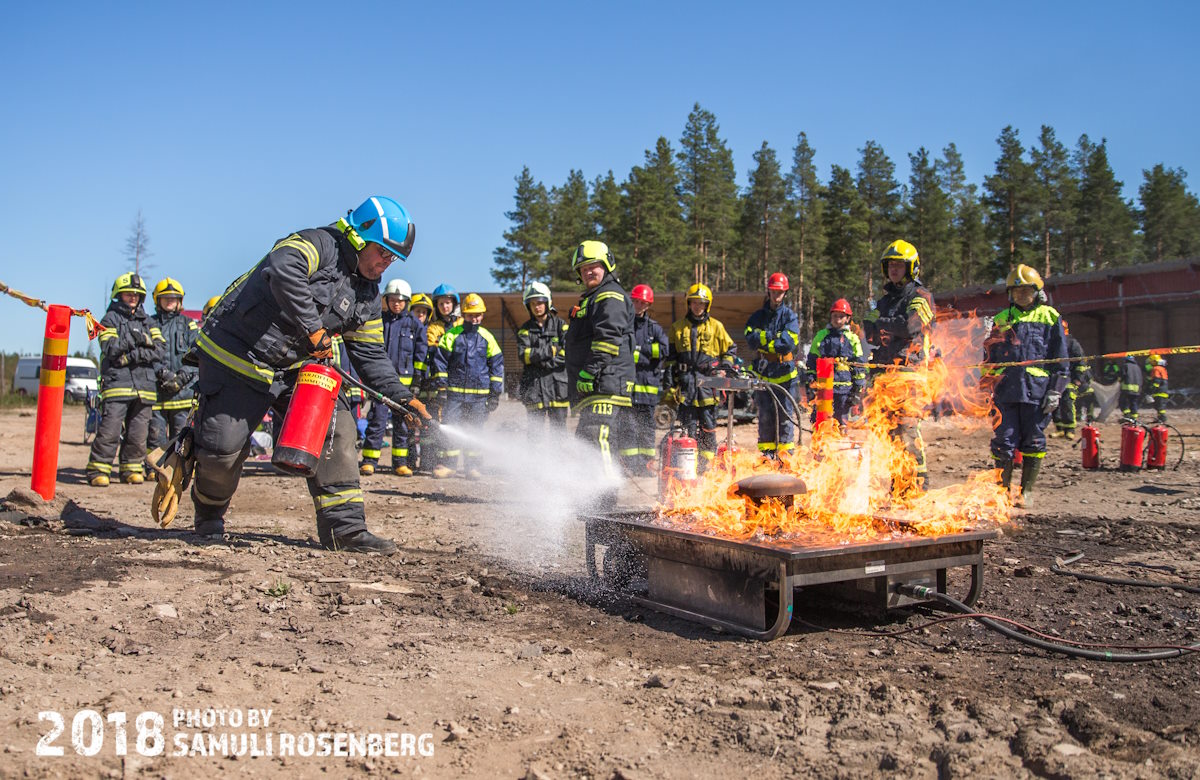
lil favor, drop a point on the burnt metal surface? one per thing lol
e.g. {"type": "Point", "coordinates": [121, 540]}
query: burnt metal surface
{"type": "Point", "coordinates": [746, 586]}
{"type": "Point", "coordinates": [761, 486]}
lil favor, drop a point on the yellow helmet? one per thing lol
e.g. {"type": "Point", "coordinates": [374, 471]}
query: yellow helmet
{"type": "Point", "coordinates": [593, 252]}
{"type": "Point", "coordinates": [421, 299]}
{"type": "Point", "coordinates": [212, 302]}
{"type": "Point", "coordinates": [905, 252]}
{"type": "Point", "coordinates": [1158, 360]}
{"type": "Point", "coordinates": [473, 304]}
{"type": "Point", "coordinates": [129, 282]}
{"type": "Point", "coordinates": [700, 292]}
{"type": "Point", "coordinates": [167, 286]}
{"type": "Point", "coordinates": [1023, 276]}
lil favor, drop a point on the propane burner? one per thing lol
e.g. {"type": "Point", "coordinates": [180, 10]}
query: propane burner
{"type": "Point", "coordinates": [760, 487]}
{"type": "Point", "coordinates": [748, 586]}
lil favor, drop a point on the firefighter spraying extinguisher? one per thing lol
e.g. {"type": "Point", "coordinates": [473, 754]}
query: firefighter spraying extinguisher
{"type": "Point", "coordinates": [677, 458]}
{"type": "Point", "coordinates": [1090, 436]}
{"type": "Point", "coordinates": [307, 420]}
{"type": "Point", "coordinates": [1133, 439]}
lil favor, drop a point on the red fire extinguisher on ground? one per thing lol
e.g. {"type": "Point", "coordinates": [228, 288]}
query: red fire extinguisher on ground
{"type": "Point", "coordinates": [678, 454]}
{"type": "Point", "coordinates": [1156, 455]}
{"type": "Point", "coordinates": [1091, 446]}
{"type": "Point", "coordinates": [1133, 439]}
{"type": "Point", "coordinates": [298, 449]}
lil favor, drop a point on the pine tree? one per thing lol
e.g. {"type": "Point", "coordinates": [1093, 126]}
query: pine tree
{"type": "Point", "coordinates": [880, 195]}
{"type": "Point", "coordinates": [1105, 219]}
{"type": "Point", "coordinates": [522, 259]}
{"type": "Point", "coordinates": [1009, 201]}
{"type": "Point", "coordinates": [1170, 215]}
{"type": "Point", "coordinates": [1054, 194]}
{"type": "Point", "coordinates": [928, 222]}
{"type": "Point", "coordinates": [570, 223]}
{"type": "Point", "coordinates": [847, 227]}
{"type": "Point", "coordinates": [763, 223]}
{"type": "Point", "coordinates": [709, 193]}
{"type": "Point", "coordinates": [970, 240]}
{"type": "Point", "coordinates": [654, 217]}
{"type": "Point", "coordinates": [807, 230]}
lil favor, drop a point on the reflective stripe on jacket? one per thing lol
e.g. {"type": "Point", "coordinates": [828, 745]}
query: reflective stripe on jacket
{"type": "Point", "coordinates": [774, 334]}
{"type": "Point", "coordinates": [650, 350]}
{"type": "Point", "coordinates": [600, 343]}
{"type": "Point", "coordinates": [468, 362]}
{"type": "Point", "coordinates": [542, 351]}
{"type": "Point", "coordinates": [1019, 336]}
{"type": "Point", "coordinates": [695, 347]}
{"type": "Point", "coordinates": [179, 333]}
{"type": "Point", "coordinates": [131, 345]}
{"type": "Point", "coordinates": [900, 324]}
{"type": "Point", "coordinates": [404, 340]}
{"type": "Point", "coordinates": [843, 345]}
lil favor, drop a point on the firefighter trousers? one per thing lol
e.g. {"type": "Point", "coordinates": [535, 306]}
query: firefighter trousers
{"type": "Point", "coordinates": [165, 424]}
{"type": "Point", "coordinates": [602, 422]}
{"type": "Point", "coordinates": [131, 415]}
{"type": "Point", "coordinates": [776, 409]}
{"type": "Point", "coordinates": [229, 411]}
{"type": "Point", "coordinates": [700, 422]}
{"type": "Point", "coordinates": [466, 413]}
{"type": "Point", "coordinates": [401, 436]}
{"type": "Point", "coordinates": [1022, 429]}
{"type": "Point", "coordinates": [638, 450]}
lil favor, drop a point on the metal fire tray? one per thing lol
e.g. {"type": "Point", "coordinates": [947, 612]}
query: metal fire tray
{"type": "Point", "coordinates": [747, 586]}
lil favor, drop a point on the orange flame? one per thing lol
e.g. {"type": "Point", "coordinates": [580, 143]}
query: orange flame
{"type": "Point", "coordinates": [861, 483]}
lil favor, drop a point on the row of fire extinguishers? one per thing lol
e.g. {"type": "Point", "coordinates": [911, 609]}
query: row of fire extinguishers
{"type": "Point", "coordinates": [1141, 447]}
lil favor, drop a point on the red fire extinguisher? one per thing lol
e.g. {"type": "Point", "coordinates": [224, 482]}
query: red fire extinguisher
{"type": "Point", "coordinates": [307, 420]}
{"type": "Point", "coordinates": [677, 457]}
{"type": "Point", "coordinates": [1091, 446]}
{"type": "Point", "coordinates": [1018, 458]}
{"type": "Point", "coordinates": [1133, 438]}
{"type": "Point", "coordinates": [1156, 455]}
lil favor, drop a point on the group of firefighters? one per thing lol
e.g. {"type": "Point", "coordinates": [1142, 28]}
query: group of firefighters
{"type": "Point", "coordinates": [316, 296]}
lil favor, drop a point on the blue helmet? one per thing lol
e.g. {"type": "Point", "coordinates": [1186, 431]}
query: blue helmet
{"type": "Point", "coordinates": [444, 291]}
{"type": "Point", "coordinates": [385, 222]}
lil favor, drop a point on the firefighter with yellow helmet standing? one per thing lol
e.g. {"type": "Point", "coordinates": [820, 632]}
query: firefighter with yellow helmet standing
{"type": "Point", "coordinates": [1025, 396]}
{"type": "Point", "coordinates": [312, 285]}
{"type": "Point", "coordinates": [899, 327]}
{"type": "Point", "coordinates": [700, 346]}
{"type": "Point", "coordinates": [468, 369]}
{"type": "Point", "coordinates": [600, 370]}
{"type": "Point", "coordinates": [175, 382]}
{"type": "Point", "coordinates": [131, 345]}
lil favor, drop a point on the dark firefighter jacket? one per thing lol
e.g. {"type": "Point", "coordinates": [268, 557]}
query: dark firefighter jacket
{"type": "Point", "coordinates": [130, 347]}
{"type": "Point", "coordinates": [404, 341]}
{"type": "Point", "coordinates": [179, 333]}
{"type": "Point", "coordinates": [600, 343]}
{"type": "Point", "coordinates": [1019, 336]}
{"type": "Point", "coordinates": [1131, 376]}
{"type": "Point", "coordinates": [698, 348]}
{"type": "Point", "coordinates": [650, 350]}
{"type": "Point", "coordinates": [1081, 372]}
{"type": "Point", "coordinates": [843, 346]}
{"type": "Point", "coordinates": [774, 337]}
{"type": "Point", "coordinates": [544, 363]}
{"type": "Point", "coordinates": [900, 324]}
{"type": "Point", "coordinates": [309, 280]}
{"type": "Point", "coordinates": [468, 363]}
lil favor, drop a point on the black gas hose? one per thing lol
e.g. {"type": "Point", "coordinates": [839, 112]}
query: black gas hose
{"type": "Point", "coordinates": [922, 592]}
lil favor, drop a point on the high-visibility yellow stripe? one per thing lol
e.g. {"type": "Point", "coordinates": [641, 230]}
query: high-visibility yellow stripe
{"type": "Point", "coordinates": [330, 500]}
{"type": "Point", "coordinates": [233, 362]}
{"type": "Point", "coordinates": [604, 296]}
{"type": "Point", "coordinates": [304, 247]}
{"type": "Point", "coordinates": [470, 390]}
{"type": "Point", "coordinates": [606, 347]}
{"type": "Point", "coordinates": [650, 389]}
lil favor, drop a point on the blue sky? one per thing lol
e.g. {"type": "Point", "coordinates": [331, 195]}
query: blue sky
{"type": "Point", "coordinates": [231, 125]}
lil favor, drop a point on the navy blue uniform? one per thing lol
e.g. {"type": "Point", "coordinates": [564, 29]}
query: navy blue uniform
{"type": "Point", "coordinates": [404, 341]}
{"type": "Point", "coordinates": [469, 366]}
{"type": "Point", "coordinates": [843, 346]}
{"type": "Point", "coordinates": [774, 339]}
{"type": "Point", "coordinates": [650, 349]}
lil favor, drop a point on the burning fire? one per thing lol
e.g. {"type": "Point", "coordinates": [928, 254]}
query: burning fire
{"type": "Point", "coordinates": [862, 483]}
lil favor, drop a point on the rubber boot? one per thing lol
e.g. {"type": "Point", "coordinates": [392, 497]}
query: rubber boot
{"type": "Point", "coordinates": [1006, 474]}
{"type": "Point", "coordinates": [1029, 474]}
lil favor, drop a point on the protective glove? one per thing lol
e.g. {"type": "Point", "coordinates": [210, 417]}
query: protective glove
{"type": "Point", "coordinates": [585, 384]}
{"type": "Point", "coordinates": [419, 408]}
{"type": "Point", "coordinates": [1050, 402]}
{"type": "Point", "coordinates": [144, 339]}
{"type": "Point", "coordinates": [320, 345]}
{"type": "Point", "coordinates": [493, 403]}
{"type": "Point", "coordinates": [170, 384]}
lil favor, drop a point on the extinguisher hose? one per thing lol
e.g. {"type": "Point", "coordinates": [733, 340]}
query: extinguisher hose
{"type": "Point", "coordinates": [375, 395]}
{"type": "Point", "coordinates": [782, 408]}
{"type": "Point", "coordinates": [1182, 446]}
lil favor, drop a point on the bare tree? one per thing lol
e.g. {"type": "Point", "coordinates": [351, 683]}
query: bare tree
{"type": "Point", "coordinates": [137, 250]}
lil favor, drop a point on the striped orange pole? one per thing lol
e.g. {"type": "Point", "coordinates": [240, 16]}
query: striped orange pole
{"type": "Point", "coordinates": [52, 380]}
{"type": "Point", "coordinates": [824, 402]}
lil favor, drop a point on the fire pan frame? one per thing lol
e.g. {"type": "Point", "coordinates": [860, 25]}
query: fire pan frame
{"type": "Point", "coordinates": [747, 586]}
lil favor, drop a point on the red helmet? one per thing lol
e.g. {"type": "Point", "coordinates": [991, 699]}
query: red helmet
{"type": "Point", "coordinates": [777, 281]}
{"type": "Point", "coordinates": [642, 292]}
{"type": "Point", "coordinates": [842, 305]}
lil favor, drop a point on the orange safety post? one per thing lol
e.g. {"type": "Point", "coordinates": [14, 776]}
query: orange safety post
{"type": "Point", "coordinates": [824, 385]}
{"type": "Point", "coordinates": [52, 380]}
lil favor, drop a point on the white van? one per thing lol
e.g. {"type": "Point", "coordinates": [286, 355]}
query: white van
{"type": "Point", "coordinates": [81, 377]}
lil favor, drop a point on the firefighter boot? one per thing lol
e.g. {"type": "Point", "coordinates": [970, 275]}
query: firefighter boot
{"type": "Point", "coordinates": [1029, 474]}
{"type": "Point", "coordinates": [1006, 474]}
{"type": "Point", "coordinates": [366, 468]}
{"type": "Point", "coordinates": [362, 541]}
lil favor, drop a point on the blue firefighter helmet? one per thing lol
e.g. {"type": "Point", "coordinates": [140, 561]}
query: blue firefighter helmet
{"type": "Point", "coordinates": [444, 291]}
{"type": "Point", "coordinates": [385, 222]}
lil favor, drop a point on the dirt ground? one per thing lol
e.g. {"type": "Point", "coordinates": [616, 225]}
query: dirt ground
{"type": "Point", "coordinates": [515, 666]}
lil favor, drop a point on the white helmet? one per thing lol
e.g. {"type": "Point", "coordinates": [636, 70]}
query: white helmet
{"type": "Point", "coordinates": [399, 288]}
{"type": "Point", "coordinates": [536, 290]}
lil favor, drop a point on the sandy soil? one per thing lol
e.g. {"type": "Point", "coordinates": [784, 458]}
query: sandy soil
{"type": "Point", "coordinates": [486, 635]}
